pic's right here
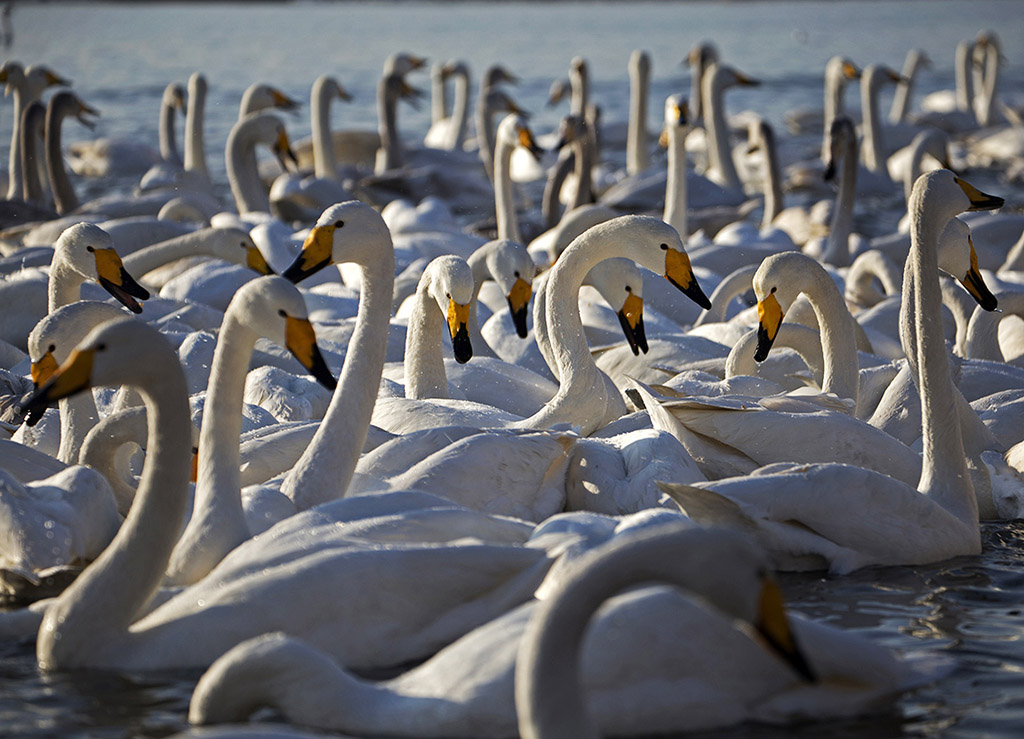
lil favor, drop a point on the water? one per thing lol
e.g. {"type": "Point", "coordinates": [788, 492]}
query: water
{"type": "Point", "coordinates": [121, 57]}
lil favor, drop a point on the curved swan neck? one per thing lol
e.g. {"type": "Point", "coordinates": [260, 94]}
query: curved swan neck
{"type": "Point", "coordinates": [165, 131]}
{"type": "Point", "coordinates": [424, 362]}
{"type": "Point", "coordinates": [324, 163]}
{"type": "Point", "coordinates": [195, 112]}
{"type": "Point", "coordinates": [838, 337]}
{"type": "Point", "coordinates": [982, 341]}
{"type": "Point", "coordinates": [944, 473]}
{"type": "Point", "coordinates": [905, 88]}
{"type": "Point", "coordinates": [325, 469]}
{"type": "Point", "coordinates": [243, 172]}
{"type": "Point", "coordinates": [835, 104]}
{"type": "Point", "coordinates": [732, 286]}
{"type": "Point", "coordinates": [773, 197]}
{"type": "Point", "coordinates": [481, 273]}
{"type": "Point", "coordinates": [636, 137]}
{"type": "Point", "coordinates": [804, 340]}
{"type": "Point", "coordinates": [64, 197]}
{"type": "Point", "coordinates": [78, 414]}
{"type": "Point", "coordinates": [837, 248]}
{"type": "Point", "coordinates": [504, 196]}
{"type": "Point", "coordinates": [675, 187]}
{"type": "Point", "coordinates": [873, 150]}
{"type": "Point", "coordinates": [64, 286]}
{"type": "Point", "coordinates": [721, 167]}
{"type": "Point", "coordinates": [33, 122]}
{"type": "Point", "coordinates": [101, 604]}
{"type": "Point", "coordinates": [460, 111]}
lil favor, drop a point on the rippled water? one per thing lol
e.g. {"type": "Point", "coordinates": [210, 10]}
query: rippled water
{"type": "Point", "coordinates": [121, 56]}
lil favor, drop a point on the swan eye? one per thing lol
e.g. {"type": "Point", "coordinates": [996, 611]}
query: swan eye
{"type": "Point", "coordinates": [664, 247]}
{"type": "Point", "coordinates": [629, 289]}
{"type": "Point", "coordinates": [89, 249]}
{"type": "Point", "coordinates": [339, 224]}
{"type": "Point", "coordinates": [517, 273]}
{"type": "Point", "coordinates": [774, 289]}
{"type": "Point", "coordinates": [244, 245]}
{"type": "Point", "coordinates": [101, 347]}
{"type": "Point", "coordinates": [281, 313]}
{"type": "Point", "coordinates": [52, 348]}
{"type": "Point", "coordinates": [448, 295]}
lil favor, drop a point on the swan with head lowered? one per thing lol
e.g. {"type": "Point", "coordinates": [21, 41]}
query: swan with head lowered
{"type": "Point", "coordinates": [645, 659]}
{"type": "Point", "coordinates": [842, 517]}
{"type": "Point", "coordinates": [423, 596]}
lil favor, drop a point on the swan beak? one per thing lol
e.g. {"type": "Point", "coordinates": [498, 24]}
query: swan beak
{"type": "Point", "coordinates": [283, 151]}
{"type": "Point", "coordinates": [43, 369]}
{"type": "Point", "coordinates": [193, 475]}
{"type": "Point", "coordinates": [745, 81]}
{"type": "Point", "coordinates": [979, 200]}
{"type": "Point", "coordinates": [283, 102]}
{"type": "Point", "coordinates": [773, 625]}
{"type": "Point", "coordinates": [300, 340]}
{"type": "Point", "coordinates": [527, 141]}
{"type": "Point", "coordinates": [850, 71]}
{"type": "Point", "coordinates": [511, 107]}
{"type": "Point", "coordinates": [53, 79]}
{"type": "Point", "coordinates": [410, 93]}
{"type": "Point", "coordinates": [72, 377]}
{"type": "Point", "coordinates": [254, 260]}
{"type": "Point", "coordinates": [975, 283]}
{"type": "Point", "coordinates": [83, 111]}
{"type": "Point", "coordinates": [679, 272]}
{"type": "Point", "coordinates": [317, 253]}
{"type": "Point", "coordinates": [116, 280]}
{"type": "Point", "coordinates": [631, 318]}
{"type": "Point", "coordinates": [769, 318]}
{"type": "Point", "coordinates": [518, 298]}
{"type": "Point", "coordinates": [458, 326]}
{"type": "Point", "coordinates": [344, 94]}
{"type": "Point", "coordinates": [830, 171]}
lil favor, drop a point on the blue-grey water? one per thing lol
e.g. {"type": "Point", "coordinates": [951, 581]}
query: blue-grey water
{"type": "Point", "coordinates": [121, 56]}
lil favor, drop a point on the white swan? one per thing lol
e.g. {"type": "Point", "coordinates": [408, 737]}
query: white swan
{"type": "Point", "coordinates": [262, 586]}
{"type": "Point", "coordinates": [192, 174]}
{"type": "Point", "coordinates": [228, 244]}
{"type": "Point", "coordinates": [266, 307]}
{"type": "Point", "coordinates": [448, 131]}
{"type": "Point", "coordinates": [240, 158]}
{"type": "Point", "coordinates": [646, 664]}
{"type": "Point", "coordinates": [26, 86]}
{"type": "Point", "coordinates": [843, 517]}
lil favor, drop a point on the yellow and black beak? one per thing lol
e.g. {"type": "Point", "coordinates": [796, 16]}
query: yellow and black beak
{"type": "Point", "coordinates": [300, 340]}
{"type": "Point", "coordinates": [631, 318]}
{"type": "Point", "coordinates": [527, 141]}
{"type": "Point", "coordinates": [55, 79]}
{"type": "Point", "coordinates": [70, 378]}
{"type": "Point", "coordinates": [679, 272]}
{"type": "Point", "coordinates": [850, 71]}
{"type": "Point", "coordinates": [86, 110]}
{"type": "Point", "coordinates": [344, 94]}
{"type": "Point", "coordinates": [769, 318]}
{"type": "Point", "coordinates": [409, 93]}
{"type": "Point", "coordinates": [254, 260]}
{"type": "Point", "coordinates": [283, 151]}
{"type": "Point", "coordinates": [283, 102]}
{"type": "Point", "coordinates": [458, 327]}
{"type": "Point", "coordinates": [116, 280]}
{"type": "Point", "coordinates": [518, 298]}
{"type": "Point", "coordinates": [979, 200]}
{"type": "Point", "coordinates": [193, 475]}
{"type": "Point", "coordinates": [773, 625]}
{"type": "Point", "coordinates": [43, 369]}
{"type": "Point", "coordinates": [975, 283]}
{"type": "Point", "coordinates": [317, 253]}
{"type": "Point", "coordinates": [746, 81]}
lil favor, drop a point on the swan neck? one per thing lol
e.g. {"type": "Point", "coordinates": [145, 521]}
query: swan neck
{"type": "Point", "coordinates": [32, 122]}
{"type": "Point", "coordinates": [387, 126]}
{"type": "Point", "coordinates": [324, 164]}
{"type": "Point", "coordinates": [195, 146]}
{"type": "Point", "coordinates": [91, 618]}
{"type": "Point", "coordinates": [636, 137]}
{"type": "Point", "coordinates": [982, 340]}
{"type": "Point", "coordinates": [78, 415]}
{"type": "Point", "coordinates": [243, 172]}
{"type": "Point", "coordinates": [873, 150]}
{"type": "Point", "coordinates": [838, 337]}
{"type": "Point", "coordinates": [904, 89]}
{"type": "Point", "coordinates": [424, 361]}
{"type": "Point", "coordinates": [504, 196]}
{"type": "Point", "coordinates": [773, 197]}
{"type": "Point", "coordinates": [168, 143]}
{"type": "Point", "coordinates": [325, 469]}
{"type": "Point", "coordinates": [64, 286]}
{"type": "Point", "coordinates": [837, 248]}
{"type": "Point", "coordinates": [481, 273]}
{"type": "Point", "coordinates": [675, 188]}
{"type": "Point", "coordinates": [721, 166]}
{"type": "Point", "coordinates": [732, 286]}
{"type": "Point", "coordinates": [485, 135]}
{"type": "Point", "coordinates": [64, 197]}
{"type": "Point", "coordinates": [180, 247]}
{"type": "Point", "coordinates": [15, 189]}
{"type": "Point", "coordinates": [460, 113]}
{"type": "Point", "coordinates": [964, 77]}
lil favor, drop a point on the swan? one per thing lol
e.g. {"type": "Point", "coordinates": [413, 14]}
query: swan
{"type": "Point", "coordinates": [260, 96]}
{"type": "Point", "coordinates": [916, 58]}
{"type": "Point", "coordinates": [837, 247]}
{"type": "Point", "coordinates": [228, 244]}
{"type": "Point", "coordinates": [61, 105]}
{"type": "Point", "coordinates": [637, 155]}
{"type": "Point", "coordinates": [951, 110]}
{"type": "Point", "coordinates": [839, 72]}
{"type": "Point", "coordinates": [469, 689]}
{"type": "Point", "coordinates": [192, 174]}
{"type": "Point", "coordinates": [260, 586]}
{"type": "Point", "coordinates": [269, 307]}
{"type": "Point", "coordinates": [982, 340]}
{"type": "Point", "coordinates": [843, 517]}
{"type": "Point", "coordinates": [874, 152]}
{"type": "Point", "coordinates": [448, 131]}
{"type": "Point", "coordinates": [721, 168]}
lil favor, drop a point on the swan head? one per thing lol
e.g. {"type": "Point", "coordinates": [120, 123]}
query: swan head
{"type": "Point", "coordinates": [12, 74]}
{"type": "Point", "coordinates": [235, 245]}
{"type": "Point", "coordinates": [174, 96]}
{"type": "Point", "coordinates": [839, 70]}
{"type": "Point", "coordinates": [677, 119]}
{"type": "Point", "coordinates": [511, 266]}
{"type": "Point", "coordinates": [513, 131]}
{"type": "Point", "coordinates": [571, 129]}
{"type": "Point", "coordinates": [621, 284]}
{"type": "Point", "coordinates": [402, 63]}
{"type": "Point", "coordinates": [725, 76]}
{"type": "Point", "coordinates": [66, 103]}
{"type": "Point", "coordinates": [273, 308]}
{"type": "Point", "coordinates": [330, 87]}
{"type": "Point", "coordinates": [958, 259]}
{"type": "Point", "coordinates": [448, 280]}
{"type": "Point", "coordinates": [346, 232]}
{"type": "Point", "coordinates": [55, 336]}
{"type": "Point", "coordinates": [777, 283]}
{"type": "Point", "coordinates": [261, 96]}
{"type": "Point", "coordinates": [840, 134]}
{"type": "Point", "coordinates": [495, 75]}
{"type": "Point", "coordinates": [87, 249]}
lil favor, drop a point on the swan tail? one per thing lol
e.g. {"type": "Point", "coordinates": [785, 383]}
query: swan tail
{"type": "Point", "coordinates": [707, 507]}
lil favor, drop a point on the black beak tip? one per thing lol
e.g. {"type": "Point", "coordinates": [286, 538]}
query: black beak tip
{"type": "Point", "coordinates": [461, 346]}
{"type": "Point", "coordinates": [519, 321]}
